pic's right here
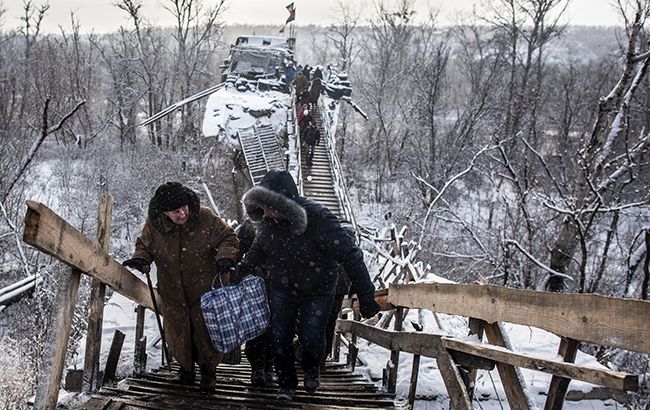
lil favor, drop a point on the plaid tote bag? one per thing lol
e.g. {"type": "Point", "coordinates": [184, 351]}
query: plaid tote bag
{"type": "Point", "coordinates": [235, 314]}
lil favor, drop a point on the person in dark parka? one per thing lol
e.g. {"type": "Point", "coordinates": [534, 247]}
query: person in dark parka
{"type": "Point", "coordinates": [315, 90]}
{"type": "Point", "coordinates": [189, 244]}
{"type": "Point", "coordinates": [258, 350]}
{"type": "Point", "coordinates": [300, 243]}
{"type": "Point", "coordinates": [311, 137]}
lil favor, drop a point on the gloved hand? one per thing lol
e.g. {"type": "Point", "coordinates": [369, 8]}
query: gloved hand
{"type": "Point", "coordinates": [137, 263]}
{"type": "Point", "coordinates": [242, 269]}
{"type": "Point", "coordinates": [368, 306]}
{"type": "Point", "coordinates": [225, 266]}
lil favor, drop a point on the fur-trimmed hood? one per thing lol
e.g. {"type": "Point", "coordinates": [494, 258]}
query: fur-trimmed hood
{"type": "Point", "coordinates": [258, 198]}
{"type": "Point", "coordinates": [277, 191]}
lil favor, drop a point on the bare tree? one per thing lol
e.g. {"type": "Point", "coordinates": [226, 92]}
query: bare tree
{"type": "Point", "coordinates": [341, 33]}
{"type": "Point", "coordinates": [197, 32]}
{"type": "Point", "coordinates": [150, 53]}
{"type": "Point", "coordinates": [609, 159]}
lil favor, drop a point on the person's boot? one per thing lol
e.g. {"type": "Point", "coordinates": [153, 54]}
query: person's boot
{"type": "Point", "coordinates": [185, 376]}
{"type": "Point", "coordinates": [312, 382]}
{"type": "Point", "coordinates": [258, 378]}
{"type": "Point", "coordinates": [208, 380]}
{"type": "Point", "coordinates": [285, 394]}
{"type": "Point", "coordinates": [268, 376]}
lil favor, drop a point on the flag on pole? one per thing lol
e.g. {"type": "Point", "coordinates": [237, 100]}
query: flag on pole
{"type": "Point", "coordinates": [292, 13]}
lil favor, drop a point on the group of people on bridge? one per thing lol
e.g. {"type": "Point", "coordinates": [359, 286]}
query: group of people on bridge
{"type": "Point", "coordinates": [308, 258]}
{"type": "Point", "coordinates": [308, 86]}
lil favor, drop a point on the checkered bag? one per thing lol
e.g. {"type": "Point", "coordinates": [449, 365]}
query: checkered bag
{"type": "Point", "coordinates": [235, 314]}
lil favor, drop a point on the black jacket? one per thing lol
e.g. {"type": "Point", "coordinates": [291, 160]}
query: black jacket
{"type": "Point", "coordinates": [301, 249]}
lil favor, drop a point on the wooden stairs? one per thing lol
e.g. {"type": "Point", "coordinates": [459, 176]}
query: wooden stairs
{"type": "Point", "coordinates": [261, 151]}
{"type": "Point", "coordinates": [317, 180]}
{"type": "Point", "coordinates": [340, 389]}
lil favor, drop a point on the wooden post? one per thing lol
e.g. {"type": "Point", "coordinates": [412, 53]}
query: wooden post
{"type": "Point", "coordinates": [113, 356]}
{"type": "Point", "coordinates": [559, 385]}
{"type": "Point", "coordinates": [49, 380]}
{"type": "Point", "coordinates": [453, 382]}
{"type": "Point", "coordinates": [476, 328]}
{"type": "Point", "coordinates": [415, 371]}
{"type": "Point", "coordinates": [97, 295]}
{"type": "Point", "coordinates": [510, 375]}
{"type": "Point", "coordinates": [394, 355]}
{"type": "Point", "coordinates": [140, 351]}
{"type": "Point", "coordinates": [352, 355]}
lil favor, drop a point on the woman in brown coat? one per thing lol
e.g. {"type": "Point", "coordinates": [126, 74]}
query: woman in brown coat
{"type": "Point", "coordinates": [189, 245]}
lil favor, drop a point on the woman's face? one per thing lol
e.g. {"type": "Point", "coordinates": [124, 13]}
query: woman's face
{"type": "Point", "coordinates": [178, 216]}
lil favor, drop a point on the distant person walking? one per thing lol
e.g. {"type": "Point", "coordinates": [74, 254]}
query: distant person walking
{"type": "Point", "coordinates": [311, 137]}
{"type": "Point", "coordinates": [315, 89]}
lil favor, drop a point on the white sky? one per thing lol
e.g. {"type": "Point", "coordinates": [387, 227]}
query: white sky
{"type": "Point", "coordinates": [103, 16]}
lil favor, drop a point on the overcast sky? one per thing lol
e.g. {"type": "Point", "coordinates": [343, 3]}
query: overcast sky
{"type": "Point", "coordinates": [103, 16]}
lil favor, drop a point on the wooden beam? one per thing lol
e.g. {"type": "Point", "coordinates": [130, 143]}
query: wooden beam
{"type": "Point", "coordinates": [458, 394]}
{"type": "Point", "coordinates": [49, 233]}
{"type": "Point", "coordinates": [607, 378]}
{"type": "Point", "coordinates": [600, 320]}
{"type": "Point", "coordinates": [51, 373]}
{"type": "Point", "coordinates": [476, 328]}
{"type": "Point", "coordinates": [97, 296]}
{"type": "Point", "coordinates": [424, 344]}
{"type": "Point", "coordinates": [559, 385]}
{"type": "Point", "coordinates": [113, 357]}
{"type": "Point", "coordinates": [413, 385]}
{"type": "Point", "coordinates": [394, 354]}
{"type": "Point", "coordinates": [511, 376]}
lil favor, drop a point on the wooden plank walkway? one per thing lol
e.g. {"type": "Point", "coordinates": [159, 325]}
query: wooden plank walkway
{"type": "Point", "coordinates": [340, 389]}
{"type": "Point", "coordinates": [317, 180]}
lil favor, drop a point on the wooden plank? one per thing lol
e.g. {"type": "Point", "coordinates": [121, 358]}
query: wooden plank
{"type": "Point", "coordinates": [49, 233]}
{"type": "Point", "coordinates": [97, 296]}
{"type": "Point", "coordinates": [424, 344]}
{"type": "Point", "coordinates": [140, 350]}
{"type": "Point", "coordinates": [394, 354]}
{"type": "Point", "coordinates": [413, 385]}
{"type": "Point", "coordinates": [113, 356]}
{"type": "Point", "coordinates": [511, 376]}
{"type": "Point", "coordinates": [453, 382]}
{"type": "Point", "coordinates": [600, 320]}
{"type": "Point", "coordinates": [49, 380]}
{"type": "Point", "coordinates": [607, 378]}
{"type": "Point", "coordinates": [476, 328]}
{"type": "Point", "coordinates": [559, 385]}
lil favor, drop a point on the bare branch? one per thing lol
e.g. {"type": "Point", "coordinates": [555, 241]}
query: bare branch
{"type": "Point", "coordinates": [37, 144]}
{"type": "Point", "coordinates": [535, 260]}
{"type": "Point", "coordinates": [449, 183]}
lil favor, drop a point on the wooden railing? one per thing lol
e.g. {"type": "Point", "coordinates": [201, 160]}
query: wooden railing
{"type": "Point", "coordinates": [599, 320]}
{"type": "Point", "coordinates": [603, 321]}
{"type": "Point", "coordinates": [51, 234]}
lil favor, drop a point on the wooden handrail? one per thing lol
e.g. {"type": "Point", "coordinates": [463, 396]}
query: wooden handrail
{"type": "Point", "coordinates": [601, 320]}
{"type": "Point", "coordinates": [51, 234]}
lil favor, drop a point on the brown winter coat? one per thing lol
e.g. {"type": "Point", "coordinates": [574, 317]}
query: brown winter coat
{"type": "Point", "coordinates": [185, 257]}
